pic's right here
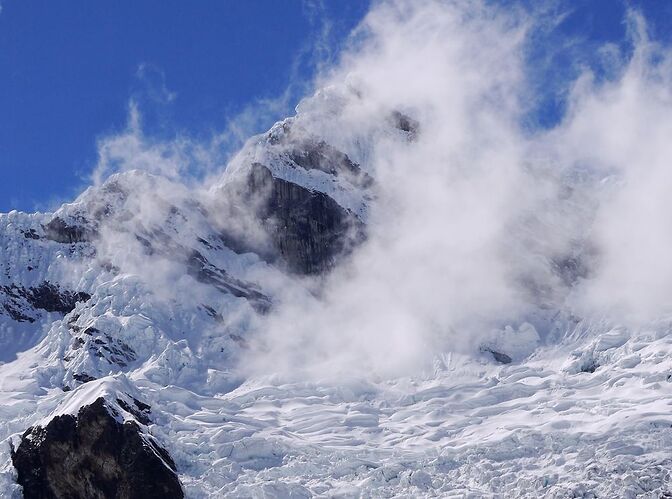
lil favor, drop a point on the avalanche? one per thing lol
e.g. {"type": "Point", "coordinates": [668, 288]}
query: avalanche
{"type": "Point", "coordinates": [399, 291]}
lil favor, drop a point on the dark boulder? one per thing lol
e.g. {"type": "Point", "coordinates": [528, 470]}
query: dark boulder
{"type": "Point", "coordinates": [94, 456]}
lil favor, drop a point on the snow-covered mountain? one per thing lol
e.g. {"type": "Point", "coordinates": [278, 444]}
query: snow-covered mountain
{"type": "Point", "coordinates": [143, 281]}
{"type": "Point", "coordinates": [128, 318]}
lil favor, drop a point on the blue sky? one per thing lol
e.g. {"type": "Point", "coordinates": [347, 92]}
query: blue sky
{"type": "Point", "coordinates": [69, 69]}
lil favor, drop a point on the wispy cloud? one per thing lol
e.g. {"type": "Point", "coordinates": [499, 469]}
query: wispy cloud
{"type": "Point", "coordinates": [153, 83]}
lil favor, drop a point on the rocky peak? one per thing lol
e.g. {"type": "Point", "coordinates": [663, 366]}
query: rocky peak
{"type": "Point", "coordinates": [95, 454]}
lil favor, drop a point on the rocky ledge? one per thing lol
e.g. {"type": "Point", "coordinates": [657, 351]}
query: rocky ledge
{"type": "Point", "coordinates": [95, 455]}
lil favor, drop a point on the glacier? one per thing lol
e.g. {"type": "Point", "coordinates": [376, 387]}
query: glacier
{"type": "Point", "coordinates": [398, 291]}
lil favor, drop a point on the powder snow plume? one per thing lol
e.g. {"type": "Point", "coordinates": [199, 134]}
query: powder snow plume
{"type": "Point", "coordinates": [417, 285]}
{"type": "Point", "coordinates": [480, 223]}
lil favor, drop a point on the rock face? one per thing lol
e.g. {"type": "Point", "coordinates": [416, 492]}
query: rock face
{"type": "Point", "coordinates": [20, 303]}
{"type": "Point", "coordinates": [308, 229]}
{"type": "Point", "coordinates": [94, 456]}
{"type": "Point", "coordinates": [51, 298]}
{"type": "Point", "coordinates": [60, 231]}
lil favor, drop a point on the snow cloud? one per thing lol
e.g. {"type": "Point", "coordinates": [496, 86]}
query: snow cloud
{"type": "Point", "coordinates": [480, 225]}
{"type": "Point", "coordinates": [433, 272]}
{"type": "Point", "coordinates": [622, 128]}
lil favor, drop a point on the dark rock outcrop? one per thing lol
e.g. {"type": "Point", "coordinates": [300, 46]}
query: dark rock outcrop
{"type": "Point", "coordinates": [60, 231]}
{"type": "Point", "coordinates": [16, 313]}
{"type": "Point", "coordinates": [83, 377]}
{"type": "Point", "coordinates": [94, 456]}
{"type": "Point", "coordinates": [308, 229]}
{"type": "Point", "coordinates": [21, 303]}
{"type": "Point", "coordinates": [140, 410]}
{"type": "Point", "coordinates": [51, 298]}
{"type": "Point", "coordinates": [203, 271]}
{"type": "Point", "coordinates": [500, 357]}
{"type": "Point", "coordinates": [100, 344]}
{"type": "Point", "coordinates": [318, 155]}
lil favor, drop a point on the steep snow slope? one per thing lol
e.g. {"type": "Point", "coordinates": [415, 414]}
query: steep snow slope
{"type": "Point", "coordinates": [143, 296]}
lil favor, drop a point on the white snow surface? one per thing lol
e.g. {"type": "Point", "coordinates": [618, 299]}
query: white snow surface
{"type": "Point", "coordinates": [470, 429]}
{"type": "Point", "coordinates": [584, 410]}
